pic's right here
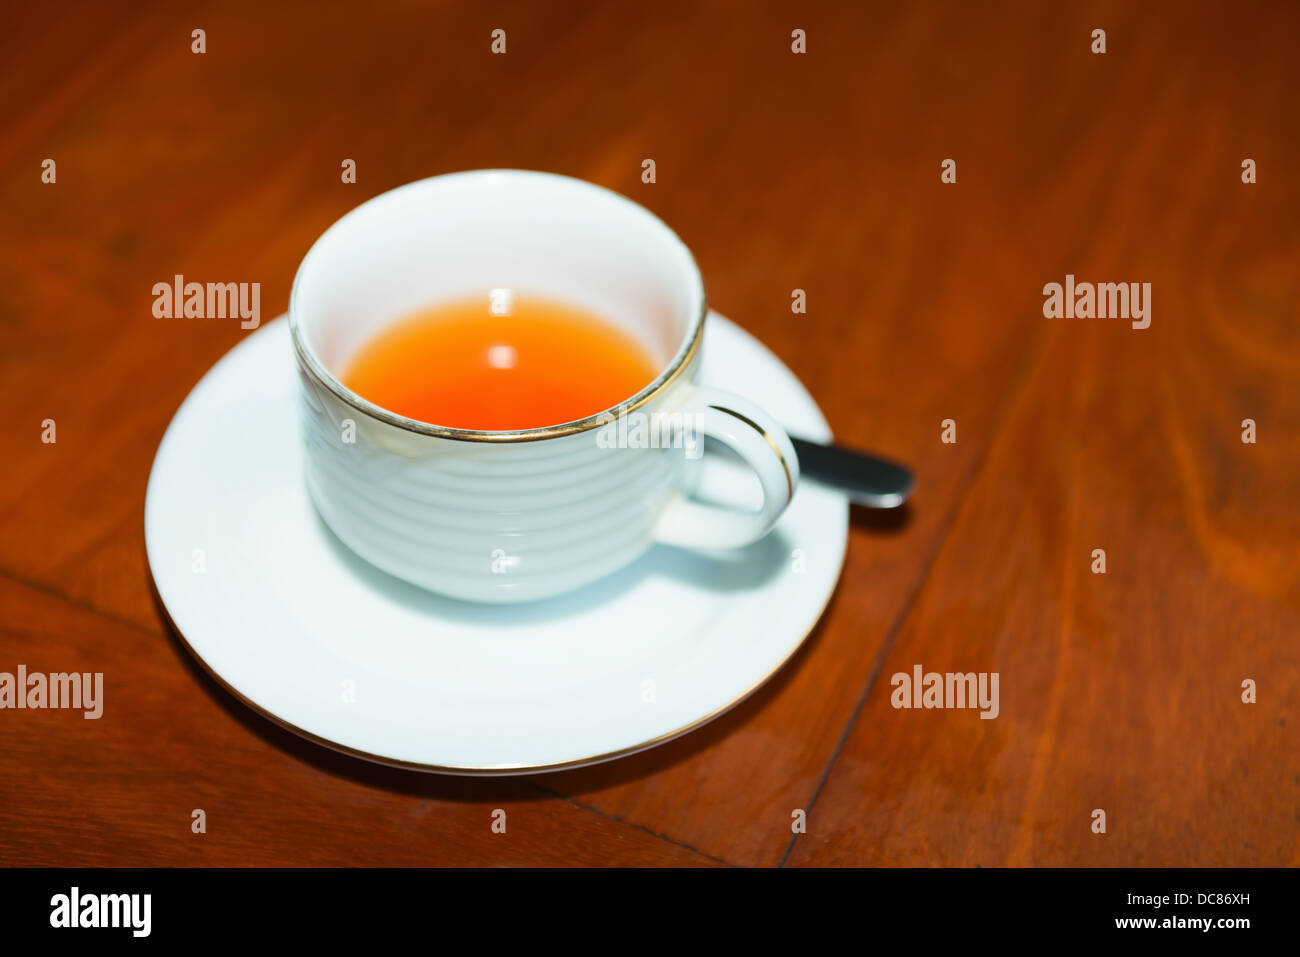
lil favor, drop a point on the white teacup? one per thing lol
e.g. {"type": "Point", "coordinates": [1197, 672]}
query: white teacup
{"type": "Point", "coordinates": [515, 516]}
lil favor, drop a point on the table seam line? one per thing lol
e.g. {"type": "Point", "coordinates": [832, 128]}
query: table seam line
{"type": "Point", "coordinates": [1008, 407]}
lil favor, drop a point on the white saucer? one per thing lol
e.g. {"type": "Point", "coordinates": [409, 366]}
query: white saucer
{"type": "Point", "coordinates": [290, 621]}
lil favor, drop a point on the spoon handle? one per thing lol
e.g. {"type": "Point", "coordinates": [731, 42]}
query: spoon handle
{"type": "Point", "coordinates": [869, 481]}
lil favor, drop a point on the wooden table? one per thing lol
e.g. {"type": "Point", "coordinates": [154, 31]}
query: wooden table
{"type": "Point", "coordinates": [822, 171]}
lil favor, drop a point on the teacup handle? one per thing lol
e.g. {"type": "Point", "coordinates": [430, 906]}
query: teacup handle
{"type": "Point", "coordinates": [763, 444]}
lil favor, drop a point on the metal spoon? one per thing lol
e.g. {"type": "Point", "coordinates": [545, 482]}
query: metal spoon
{"type": "Point", "coordinates": [868, 480]}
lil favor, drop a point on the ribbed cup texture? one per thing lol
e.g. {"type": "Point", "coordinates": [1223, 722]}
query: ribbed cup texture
{"type": "Point", "coordinates": [484, 521]}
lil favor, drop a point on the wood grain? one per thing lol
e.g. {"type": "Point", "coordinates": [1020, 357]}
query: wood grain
{"type": "Point", "coordinates": [1119, 691]}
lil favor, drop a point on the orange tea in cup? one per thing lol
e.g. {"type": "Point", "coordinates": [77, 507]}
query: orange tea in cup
{"type": "Point", "coordinates": [460, 365]}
